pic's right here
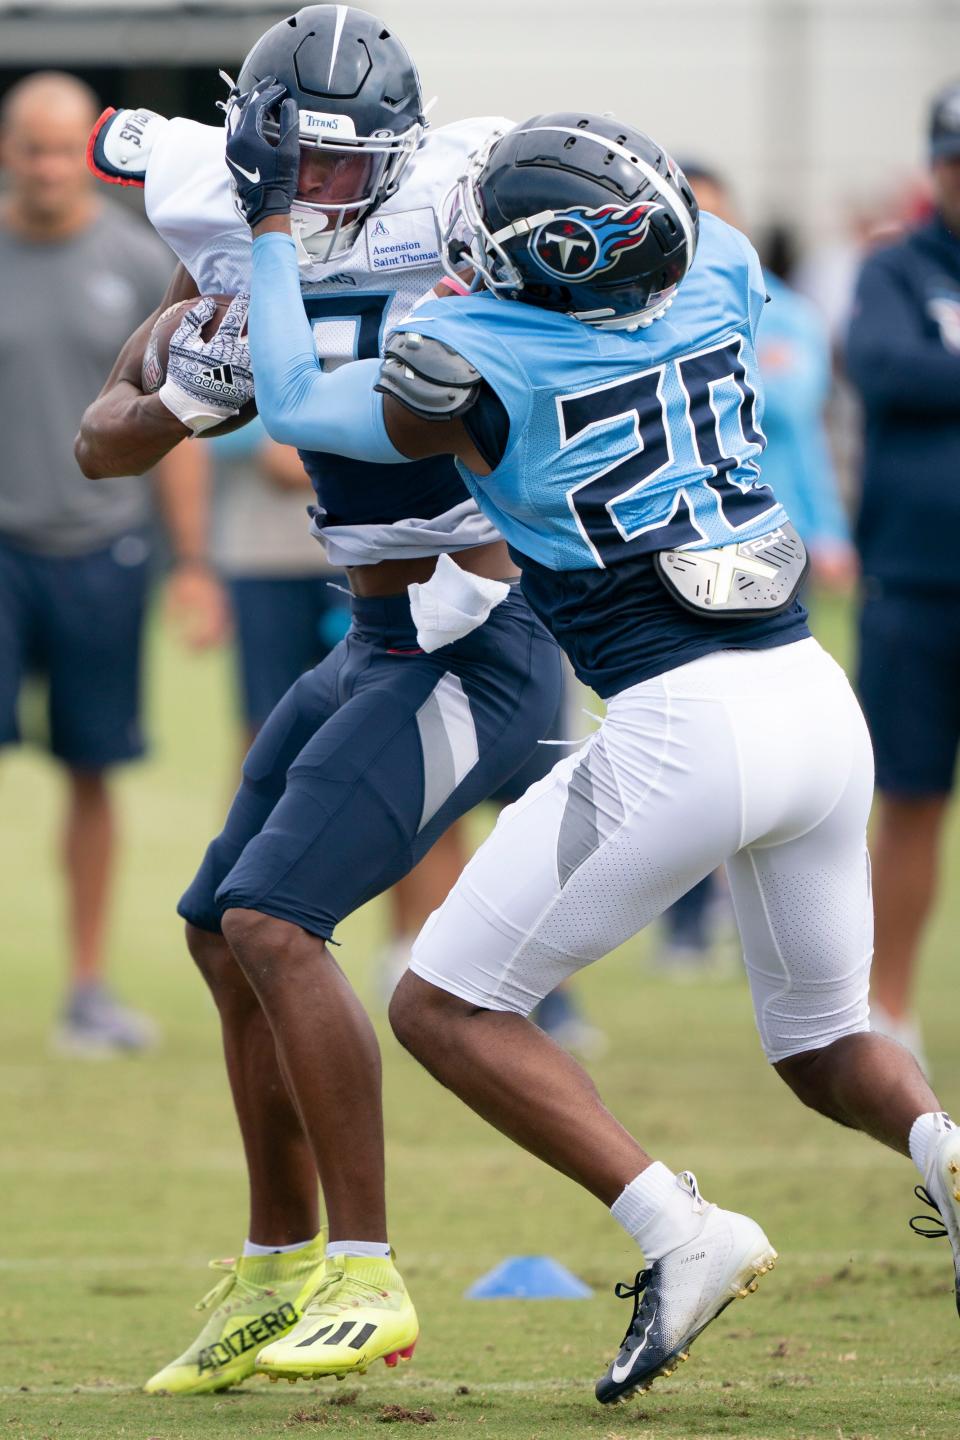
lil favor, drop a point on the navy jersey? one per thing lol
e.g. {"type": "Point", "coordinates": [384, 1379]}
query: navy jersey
{"type": "Point", "coordinates": [903, 354]}
{"type": "Point", "coordinates": [622, 444]}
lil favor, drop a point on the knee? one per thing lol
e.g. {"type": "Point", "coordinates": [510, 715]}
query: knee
{"type": "Point", "coordinates": [420, 1014]}
{"type": "Point", "coordinates": [811, 1074]}
{"type": "Point", "coordinates": [801, 1074]}
{"type": "Point", "coordinates": [207, 951]}
{"type": "Point", "coordinates": [255, 941]}
{"type": "Point", "coordinates": [213, 958]}
{"type": "Point", "coordinates": [902, 815]}
{"type": "Point", "coordinates": [90, 787]}
{"type": "Point", "coordinates": [402, 1011]}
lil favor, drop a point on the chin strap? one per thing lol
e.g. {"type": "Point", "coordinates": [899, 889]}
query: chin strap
{"type": "Point", "coordinates": [305, 258]}
{"type": "Point", "coordinates": [524, 226]}
{"type": "Point", "coordinates": [628, 323]}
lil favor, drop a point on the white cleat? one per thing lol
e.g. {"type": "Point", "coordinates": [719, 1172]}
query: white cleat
{"type": "Point", "coordinates": [679, 1295]}
{"type": "Point", "coordinates": [942, 1191]}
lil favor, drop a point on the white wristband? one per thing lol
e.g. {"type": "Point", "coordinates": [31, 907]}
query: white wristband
{"type": "Point", "coordinates": [189, 412]}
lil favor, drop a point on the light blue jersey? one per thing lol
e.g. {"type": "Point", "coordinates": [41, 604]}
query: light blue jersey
{"type": "Point", "coordinates": [621, 444]}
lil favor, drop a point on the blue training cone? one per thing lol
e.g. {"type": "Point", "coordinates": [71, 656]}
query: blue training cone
{"type": "Point", "coordinates": [529, 1277]}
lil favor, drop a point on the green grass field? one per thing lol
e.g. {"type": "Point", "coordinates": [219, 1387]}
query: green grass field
{"type": "Point", "coordinates": [119, 1180]}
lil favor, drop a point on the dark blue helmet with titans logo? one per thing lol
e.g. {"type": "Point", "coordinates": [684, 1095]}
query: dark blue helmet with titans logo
{"type": "Point", "coordinates": [577, 213]}
{"type": "Point", "coordinates": [361, 116]}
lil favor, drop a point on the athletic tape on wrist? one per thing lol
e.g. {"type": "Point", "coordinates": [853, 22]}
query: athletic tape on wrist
{"type": "Point", "coordinates": [189, 411]}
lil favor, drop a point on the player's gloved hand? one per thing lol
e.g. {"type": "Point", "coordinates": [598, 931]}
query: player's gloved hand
{"type": "Point", "coordinates": [265, 171]}
{"type": "Point", "coordinates": [209, 381]}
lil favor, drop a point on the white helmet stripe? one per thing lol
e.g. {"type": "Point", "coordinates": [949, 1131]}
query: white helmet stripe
{"type": "Point", "coordinates": [341, 21]}
{"type": "Point", "coordinates": [657, 181]}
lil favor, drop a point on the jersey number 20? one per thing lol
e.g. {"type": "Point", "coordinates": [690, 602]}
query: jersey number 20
{"type": "Point", "coordinates": [710, 407]}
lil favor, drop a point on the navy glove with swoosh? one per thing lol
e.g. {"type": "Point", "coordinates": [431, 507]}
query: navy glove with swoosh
{"type": "Point", "coordinates": [264, 170]}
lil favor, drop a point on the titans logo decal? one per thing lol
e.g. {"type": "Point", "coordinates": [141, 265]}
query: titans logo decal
{"type": "Point", "coordinates": [578, 243]}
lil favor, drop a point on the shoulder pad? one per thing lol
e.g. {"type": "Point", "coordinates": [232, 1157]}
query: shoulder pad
{"type": "Point", "coordinates": [428, 377]}
{"type": "Point", "coordinates": [120, 144]}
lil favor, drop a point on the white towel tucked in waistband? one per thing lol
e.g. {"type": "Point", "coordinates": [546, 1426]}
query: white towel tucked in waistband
{"type": "Point", "coordinates": [452, 603]}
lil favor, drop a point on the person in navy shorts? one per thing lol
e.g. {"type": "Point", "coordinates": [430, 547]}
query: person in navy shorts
{"type": "Point", "coordinates": [903, 354]}
{"type": "Point", "coordinates": [76, 275]}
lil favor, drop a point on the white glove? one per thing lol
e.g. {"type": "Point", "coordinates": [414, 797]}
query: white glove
{"type": "Point", "coordinates": [208, 381]}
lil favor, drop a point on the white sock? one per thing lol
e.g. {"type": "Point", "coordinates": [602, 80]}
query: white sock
{"type": "Point", "coordinates": [372, 1249]}
{"type": "Point", "coordinates": [250, 1247]}
{"type": "Point", "coordinates": [657, 1212]}
{"type": "Point", "coordinates": [926, 1133]}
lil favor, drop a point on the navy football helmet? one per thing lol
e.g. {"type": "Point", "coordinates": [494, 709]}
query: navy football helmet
{"type": "Point", "coordinates": [577, 213]}
{"type": "Point", "coordinates": [361, 116]}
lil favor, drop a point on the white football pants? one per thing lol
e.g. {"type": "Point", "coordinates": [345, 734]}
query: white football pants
{"type": "Point", "coordinates": [759, 758]}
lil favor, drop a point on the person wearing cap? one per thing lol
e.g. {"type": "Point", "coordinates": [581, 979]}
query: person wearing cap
{"type": "Point", "coordinates": [903, 354]}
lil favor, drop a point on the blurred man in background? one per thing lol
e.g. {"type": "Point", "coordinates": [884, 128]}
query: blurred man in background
{"type": "Point", "coordinates": [76, 276]}
{"type": "Point", "coordinates": [903, 354]}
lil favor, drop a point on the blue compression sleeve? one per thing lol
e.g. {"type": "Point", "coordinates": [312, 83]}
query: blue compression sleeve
{"type": "Point", "coordinates": [340, 413]}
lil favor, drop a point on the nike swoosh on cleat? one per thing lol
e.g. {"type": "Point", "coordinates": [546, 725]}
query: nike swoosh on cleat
{"type": "Point", "coordinates": [619, 1373]}
{"type": "Point", "coordinates": [252, 175]}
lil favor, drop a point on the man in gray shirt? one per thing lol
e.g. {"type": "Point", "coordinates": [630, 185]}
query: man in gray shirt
{"type": "Point", "coordinates": [76, 276]}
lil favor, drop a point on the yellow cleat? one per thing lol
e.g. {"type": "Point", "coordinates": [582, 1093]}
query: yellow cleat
{"type": "Point", "coordinates": [259, 1299]}
{"type": "Point", "coordinates": [361, 1312]}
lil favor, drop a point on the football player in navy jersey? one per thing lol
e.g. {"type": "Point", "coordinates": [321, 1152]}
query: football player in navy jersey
{"type": "Point", "coordinates": [368, 759]}
{"type": "Point", "coordinates": [599, 389]}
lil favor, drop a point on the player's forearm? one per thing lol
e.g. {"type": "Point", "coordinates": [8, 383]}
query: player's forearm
{"type": "Point", "coordinates": [125, 432]}
{"type": "Point", "coordinates": [340, 413]}
{"type": "Point", "coordinates": [913, 378]}
{"type": "Point", "coordinates": [890, 357]}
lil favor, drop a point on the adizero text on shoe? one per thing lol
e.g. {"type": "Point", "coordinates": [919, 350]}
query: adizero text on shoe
{"type": "Point", "coordinates": [259, 1299]}
{"type": "Point", "coordinates": [942, 1192]}
{"type": "Point", "coordinates": [360, 1313]}
{"type": "Point", "coordinates": [680, 1294]}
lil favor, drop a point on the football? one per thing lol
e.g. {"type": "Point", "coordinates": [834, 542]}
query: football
{"type": "Point", "coordinates": [154, 369]}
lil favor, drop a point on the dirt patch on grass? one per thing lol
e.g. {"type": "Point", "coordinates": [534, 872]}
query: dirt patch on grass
{"type": "Point", "coordinates": [400, 1415]}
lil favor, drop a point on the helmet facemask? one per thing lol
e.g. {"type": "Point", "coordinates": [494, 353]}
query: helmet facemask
{"type": "Point", "coordinates": [336, 197]}
{"type": "Point", "coordinates": [344, 177]}
{"type": "Point", "coordinates": [466, 239]}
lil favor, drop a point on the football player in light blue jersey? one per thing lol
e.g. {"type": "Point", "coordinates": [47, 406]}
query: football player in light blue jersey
{"type": "Point", "coordinates": [599, 390]}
